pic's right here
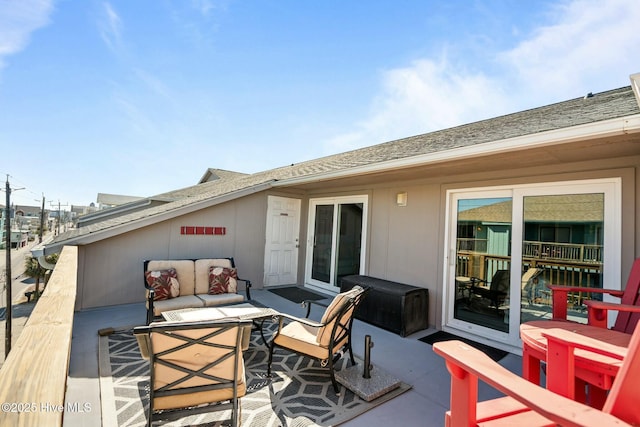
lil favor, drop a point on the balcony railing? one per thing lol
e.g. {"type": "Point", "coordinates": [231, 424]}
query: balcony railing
{"type": "Point", "coordinates": [33, 379]}
{"type": "Point", "coordinates": [557, 272]}
{"type": "Point", "coordinates": [563, 252]}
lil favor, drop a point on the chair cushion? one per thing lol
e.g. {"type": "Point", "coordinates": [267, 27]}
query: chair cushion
{"type": "Point", "coordinates": [164, 283]}
{"type": "Point", "coordinates": [184, 301]}
{"type": "Point", "coordinates": [195, 357]}
{"type": "Point", "coordinates": [201, 271]}
{"type": "Point", "coordinates": [301, 338]}
{"type": "Point", "coordinates": [222, 280]}
{"type": "Point", "coordinates": [220, 299]}
{"type": "Point", "coordinates": [184, 269]}
{"type": "Point", "coordinates": [324, 334]}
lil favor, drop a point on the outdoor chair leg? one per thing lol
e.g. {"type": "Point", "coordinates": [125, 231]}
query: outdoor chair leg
{"type": "Point", "coordinates": [353, 360]}
{"type": "Point", "coordinates": [333, 377]}
{"type": "Point", "coordinates": [271, 348]}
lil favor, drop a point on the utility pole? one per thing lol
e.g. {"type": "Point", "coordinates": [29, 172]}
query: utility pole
{"type": "Point", "coordinates": [59, 217]}
{"type": "Point", "coordinates": [8, 309]}
{"type": "Point", "coordinates": [41, 220]}
{"type": "Point", "coordinates": [7, 313]}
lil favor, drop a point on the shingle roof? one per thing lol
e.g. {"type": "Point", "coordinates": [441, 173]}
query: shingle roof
{"type": "Point", "coordinates": [602, 106]}
{"type": "Point", "coordinates": [558, 208]}
{"type": "Point", "coordinates": [116, 199]}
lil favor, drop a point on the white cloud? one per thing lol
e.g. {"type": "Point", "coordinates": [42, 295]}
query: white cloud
{"type": "Point", "coordinates": [111, 28]}
{"type": "Point", "coordinates": [591, 46]}
{"type": "Point", "coordinates": [18, 19]}
{"type": "Point", "coordinates": [425, 96]}
{"type": "Point", "coordinates": [153, 83]}
{"type": "Point", "coordinates": [203, 6]}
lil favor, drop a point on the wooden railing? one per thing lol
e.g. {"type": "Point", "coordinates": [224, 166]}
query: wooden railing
{"type": "Point", "coordinates": [563, 252]}
{"type": "Point", "coordinates": [566, 273]}
{"type": "Point", "coordinates": [33, 379]}
{"type": "Point", "coordinates": [541, 250]}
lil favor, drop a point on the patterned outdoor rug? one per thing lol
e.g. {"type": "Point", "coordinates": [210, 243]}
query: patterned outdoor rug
{"type": "Point", "coordinates": [299, 394]}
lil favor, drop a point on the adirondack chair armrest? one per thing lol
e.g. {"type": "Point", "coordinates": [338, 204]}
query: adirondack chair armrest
{"type": "Point", "coordinates": [467, 364]}
{"type": "Point", "coordinates": [560, 297]}
{"type": "Point", "coordinates": [597, 311]}
{"type": "Point", "coordinates": [570, 339]}
{"type": "Point", "coordinates": [566, 289]}
{"type": "Point", "coordinates": [561, 362]}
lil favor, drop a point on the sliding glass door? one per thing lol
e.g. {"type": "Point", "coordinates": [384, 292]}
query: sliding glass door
{"type": "Point", "coordinates": [505, 245]}
{"type": "Point", "coordinates": [336, 238]}
{"type": "Point", "coordinates": [483, 259]}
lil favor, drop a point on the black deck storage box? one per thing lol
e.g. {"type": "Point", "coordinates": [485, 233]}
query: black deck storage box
{"type": "Point", "coordinates": [396, 307]}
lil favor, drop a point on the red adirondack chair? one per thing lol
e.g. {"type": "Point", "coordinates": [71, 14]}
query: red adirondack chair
{"type": "Point", "coordinates": [628, 309]}
{"type": "Point", "coordinates": [527, 404]}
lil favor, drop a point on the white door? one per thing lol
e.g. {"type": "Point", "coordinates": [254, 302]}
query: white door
{"type": "Point", "coordinates": [282, 241]}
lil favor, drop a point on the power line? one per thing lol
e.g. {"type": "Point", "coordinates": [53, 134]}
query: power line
{"type": "Point", "coordinates": [59, 218]}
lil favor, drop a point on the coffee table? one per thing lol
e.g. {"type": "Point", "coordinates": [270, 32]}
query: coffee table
{"type": "Point", "coordinates": [244, 311]}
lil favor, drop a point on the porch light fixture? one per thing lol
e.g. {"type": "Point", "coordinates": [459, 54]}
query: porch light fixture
{"type": "Point", "coordinates": [401, 199]}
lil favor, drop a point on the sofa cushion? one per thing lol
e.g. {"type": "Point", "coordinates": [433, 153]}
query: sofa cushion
{"type": "Point", "coordinates": [220, 299]}
{"type": "Point", "coordinates": [184, 268]}
{"type": "Point", "coordinates": [187, 301]}
{"type": "Point", "coordinates": [202, 272]}
{"type": "Point", "coordinates": [164, 283]}
{"type": "Point", "coordinates": [222, 280]}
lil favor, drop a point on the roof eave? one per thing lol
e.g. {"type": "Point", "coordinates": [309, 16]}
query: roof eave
{"type": "Point", "coordinates": [154, 219]}
{"type": "Point", "coordinates": [635, 84]}
{"type": "Point", "coordinates": [606, 128]}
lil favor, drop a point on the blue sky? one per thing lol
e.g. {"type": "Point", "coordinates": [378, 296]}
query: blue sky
{"type": "Point", "coordinates": [139, 97]}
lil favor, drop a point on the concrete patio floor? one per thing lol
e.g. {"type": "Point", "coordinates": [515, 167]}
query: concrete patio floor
{"type": "Point", "coordinates": [407, 359]}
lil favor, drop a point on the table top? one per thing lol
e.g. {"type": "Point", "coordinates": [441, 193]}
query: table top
{"type": "Point", "coordinates": [244, 311]}
{"type": "Point", "coordinates": [531, 335]}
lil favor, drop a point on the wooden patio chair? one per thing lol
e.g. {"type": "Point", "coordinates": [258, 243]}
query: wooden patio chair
{"type": "Point", "coordinates": [326, 340]}
{"type": "Point", "coordinates": [195, 367]}
{"type": "Point", "coordinates": [628, 309]}
{"type": "Point", "coordinates": [527, 404]}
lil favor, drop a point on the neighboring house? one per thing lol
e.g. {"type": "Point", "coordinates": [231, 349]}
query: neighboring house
{"type": "Point", "coordinates": [391, 211]}
{"type": "Point", "coordinates": [28, 218]}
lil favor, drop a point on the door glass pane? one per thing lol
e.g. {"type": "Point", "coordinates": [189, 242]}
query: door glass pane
{"type": "Point", "coordinates": [562, 245]}
{"type": "Point", "coordinates": [323, 242]}
{"type": "Point", "coordinates": [483, 261]}
{"type": "Point", "coordinates": [349, 240]}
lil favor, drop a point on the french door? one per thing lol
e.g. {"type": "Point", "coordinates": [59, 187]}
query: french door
{"type": "Point", "coordinates": [505, 244]}
{"type": "Point", "coordinates": [336, 240]}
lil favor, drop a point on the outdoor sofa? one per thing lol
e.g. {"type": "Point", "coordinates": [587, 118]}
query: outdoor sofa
{"type": "Point", "coordinates": [191, 283]}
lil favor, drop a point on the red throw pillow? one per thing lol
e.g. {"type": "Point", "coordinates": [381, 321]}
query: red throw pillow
{"type": "Point", "coordinates": [164, 283]}
{"type": "Point", "coordinates": [222, 280]}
